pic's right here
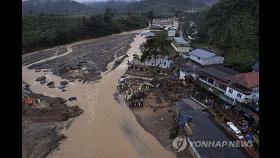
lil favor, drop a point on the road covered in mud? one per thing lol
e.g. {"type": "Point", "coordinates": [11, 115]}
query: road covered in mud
{"type": "Point", "coordinates": [106, 128]}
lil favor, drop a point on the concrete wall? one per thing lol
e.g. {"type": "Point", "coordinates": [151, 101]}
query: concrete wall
{"type": "Point", "coordinates": [180, 49]}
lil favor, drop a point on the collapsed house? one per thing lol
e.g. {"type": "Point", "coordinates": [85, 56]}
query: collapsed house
{"type": "Point", "coordinates": [134, 91]}
{"type": "Point", "coordinates": [158, 65]}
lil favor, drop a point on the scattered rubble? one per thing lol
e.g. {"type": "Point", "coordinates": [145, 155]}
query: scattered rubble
{"type": "Point", "coordinates": [42, 121]}
{"type": "Point", "coordinates": [87, 60]}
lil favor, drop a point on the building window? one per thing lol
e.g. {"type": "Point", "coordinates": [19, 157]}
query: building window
{"type": "Point", "coordinates": [198, 58]}
{"type": "Point", "coordinates": [230, 91]}
{"type": "Point", "coordinates": [239, 95]}
{"type": "Point", "coordinates": [222, 86]}
{"type": "Point", "coordinates": [211, 81]}
{"type": "Point", "coordinates": [203, 77]}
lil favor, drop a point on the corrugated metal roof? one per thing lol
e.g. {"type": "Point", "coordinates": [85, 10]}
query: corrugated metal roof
{"type": "Point", "coordinates": [203, 54]}
{"type": "Point", "coordinates": [180, 40]}
{"type": "Point", "coordinates": [220, 72]}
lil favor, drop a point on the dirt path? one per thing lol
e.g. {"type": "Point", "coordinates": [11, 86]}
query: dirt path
{"type": "Point", "coordinates": [69, 50]}
{"type": "Point", "coordinates": [106, 129]}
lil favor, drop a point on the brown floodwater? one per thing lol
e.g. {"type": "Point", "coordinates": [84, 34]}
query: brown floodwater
{"type": "Point", "coordinates": [106, 129]}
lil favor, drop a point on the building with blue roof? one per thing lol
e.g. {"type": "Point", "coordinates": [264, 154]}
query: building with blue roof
{"type": "Point", "coordinates": [204, 57]}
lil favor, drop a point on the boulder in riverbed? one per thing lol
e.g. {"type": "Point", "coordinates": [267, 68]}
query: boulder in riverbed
{"type": "Point", "coordinates": [43, 81]}
{"type": "Point", "coordinates": [71, 80]}
{"type": "Point", "coordinates": [63, 82]}
{"type": "Point", "coordinates": [72, 98]}
{"type": "Point", "coordinates": [40, 78]}
{"type": "Point", "coordinates": [50, 84]}
{"type": "Point", "coordinates": [61, 86]}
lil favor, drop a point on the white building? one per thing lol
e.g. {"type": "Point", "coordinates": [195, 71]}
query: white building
{"type": "Point", "coordinates": [175, 24]}
{"type": "Point", "coordinates": [161, 64]}
{"type": "Point", "coordinates": [242, 86]}
{"type": "Point", "coordinates": [171, 32]}
{"type": "Point", "coordinates": [204, 57]}
{"type": "Point", "coordinates": [180, 45]}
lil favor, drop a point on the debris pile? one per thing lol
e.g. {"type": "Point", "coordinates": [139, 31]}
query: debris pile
{"type": "Point", "coordinates": [134, 91]}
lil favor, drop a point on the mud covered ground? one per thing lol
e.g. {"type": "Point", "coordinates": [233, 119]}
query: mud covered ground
{"type": "Point", "coordinates": [42, 123]}
{"type": "Point", "coordinates": [86, 60]}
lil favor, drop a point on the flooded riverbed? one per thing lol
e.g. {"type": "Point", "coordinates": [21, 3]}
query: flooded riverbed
{"type": "Point", "coordinates": [106, 129]}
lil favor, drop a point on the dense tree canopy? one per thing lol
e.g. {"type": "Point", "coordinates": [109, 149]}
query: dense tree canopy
{"type": "Point", "coordinates": [154, 47]}
{"type": "Point", "coordinates": [233, 26]}
{"type": "Point", "coordinates": [42, 31]}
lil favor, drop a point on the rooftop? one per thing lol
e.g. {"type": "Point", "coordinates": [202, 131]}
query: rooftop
{"type": "Point", "coordinates": [205, 129]}
{"type": "Point", "coordinates": [180, 41]}
{"type": "Point", "coordinates": [189, 67]}
{"type": "Point", "coordinates": [203, 54]}
{"type": "Point", "coordinates": [219, 71]}
{"type": "Point", "coordinates": [150, 34]}
{"type": "Point", "coordinates": [248, 80]}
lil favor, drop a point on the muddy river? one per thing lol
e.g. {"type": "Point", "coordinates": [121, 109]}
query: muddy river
{"type": "Point", "coordinates": [106, 129]}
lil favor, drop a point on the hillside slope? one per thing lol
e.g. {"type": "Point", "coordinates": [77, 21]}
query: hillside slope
{"type": "Point", "coordinates": [31, 7]}
{"type": "Point", "coordinates": [66, 7]}
{"type": "Point", "coordinates": [233, 26]}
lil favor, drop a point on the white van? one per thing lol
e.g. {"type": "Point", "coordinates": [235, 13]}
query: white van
{"type": "Point", "coordinates": [235, 130]}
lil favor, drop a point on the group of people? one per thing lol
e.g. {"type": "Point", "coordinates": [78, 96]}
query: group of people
{"type": "Point", "coordinates": [134, 98]}
{"type": "Point", "coordinates": [29, 101]}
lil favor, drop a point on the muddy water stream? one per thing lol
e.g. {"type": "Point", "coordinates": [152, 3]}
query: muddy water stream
{"type": "Point", "coordinates": [106, 129]}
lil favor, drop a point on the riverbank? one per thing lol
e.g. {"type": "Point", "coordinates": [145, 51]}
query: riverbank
{"type": "Point", "coordinates": [42, 123]}
{"type": "Point", "coordinates": [106, 128]}
{"type": "Point", "coordinates": [156, 114]}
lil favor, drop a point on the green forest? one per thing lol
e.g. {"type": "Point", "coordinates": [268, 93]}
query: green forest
{"type": "Point", "coordinates": [42, 31]}
{"type": "Point", "coordinates": [233, 27]}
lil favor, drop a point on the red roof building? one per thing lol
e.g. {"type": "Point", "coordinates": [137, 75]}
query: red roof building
{"type": "Point", "coordinates": [248, 80]}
